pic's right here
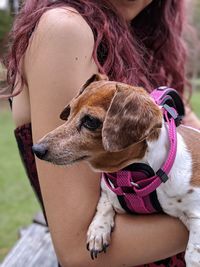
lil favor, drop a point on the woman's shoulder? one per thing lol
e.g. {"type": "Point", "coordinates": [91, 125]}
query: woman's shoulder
{"type": "Point", "coordinates": [61, 35]}
{"type": "Point", "coordinates": [58, 61]}
{"type": "Point", "coordinates": [62, 23]}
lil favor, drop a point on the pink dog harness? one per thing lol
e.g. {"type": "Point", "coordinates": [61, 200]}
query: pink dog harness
{"type": "Point", "coordinates": [136, 184]}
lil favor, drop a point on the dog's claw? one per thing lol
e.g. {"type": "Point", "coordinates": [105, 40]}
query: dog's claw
{"type": "Point", "coordinates": [87, 246]}
{"type": "Point", "coordinates": [94, 253]}
{"type": "Point", "coordinates": [105, 246]}
{"type": "Point", "coordinates": [91, 254]}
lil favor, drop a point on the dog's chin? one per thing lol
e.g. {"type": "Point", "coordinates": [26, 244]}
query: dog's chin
{"type": "Point", "coordinates": [63, 161]}
{"type": "Point", "coordinates": [102, 168]}
{"type": "Point", "coordinates": [113, 167]}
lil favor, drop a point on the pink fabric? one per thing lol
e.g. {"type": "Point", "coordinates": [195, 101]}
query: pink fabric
{"type": "Point", "coordinates": [123, 187]}
{"type": "Point", "coordinates": [175, 261]}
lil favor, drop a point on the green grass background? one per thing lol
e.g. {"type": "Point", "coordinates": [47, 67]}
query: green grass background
{"type": "Point", "coordinates": [196, 102]}
{"type": "Point", "coordinates": [17, 201]}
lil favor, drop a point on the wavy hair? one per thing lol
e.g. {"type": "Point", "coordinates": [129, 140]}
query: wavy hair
{"type": "Point", "coordinates": [149, 51]}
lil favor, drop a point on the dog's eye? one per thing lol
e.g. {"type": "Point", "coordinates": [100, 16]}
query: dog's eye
{"type": "Point", "coordinates": [91, 123]}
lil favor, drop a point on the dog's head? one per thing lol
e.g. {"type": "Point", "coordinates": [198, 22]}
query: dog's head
{"type": "Point", "coordinates": [107, 124]}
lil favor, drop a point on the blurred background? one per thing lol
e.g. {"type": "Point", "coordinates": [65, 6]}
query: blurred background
{"type": "Point", "coordinates": [17, 202]}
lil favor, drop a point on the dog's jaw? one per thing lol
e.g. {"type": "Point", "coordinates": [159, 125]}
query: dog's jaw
{"type": "Point", "coordinates": [115, 161]}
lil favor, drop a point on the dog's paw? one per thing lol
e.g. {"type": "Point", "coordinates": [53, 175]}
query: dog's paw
{"type": "Point", "coordinates": [98, 235]}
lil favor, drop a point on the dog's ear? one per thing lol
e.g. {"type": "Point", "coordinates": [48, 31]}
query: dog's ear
{"type": "Point", "coordinates": [94, 78]}
{"type": "Point", "coordinates": [131, 117]}
{"type": "Point", "coordinates": [65, 113]}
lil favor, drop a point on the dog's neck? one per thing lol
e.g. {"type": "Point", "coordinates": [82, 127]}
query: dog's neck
{"type": "Point", "coordinates": [157, 150]}
{"type": "Point", "coordinates": [153, 153]}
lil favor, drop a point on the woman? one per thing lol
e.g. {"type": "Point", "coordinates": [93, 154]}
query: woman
{"type": "Point", "coordinates": [57, 46]}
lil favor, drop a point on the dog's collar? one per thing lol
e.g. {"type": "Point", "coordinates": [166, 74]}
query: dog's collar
{"type": "Point", "coordinates": [173, 111]}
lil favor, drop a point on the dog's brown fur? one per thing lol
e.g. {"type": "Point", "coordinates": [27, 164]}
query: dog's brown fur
{"type": "Point", "coordinates": [129, 117]}
{"type": "Point", "coordinates": [192, 140]}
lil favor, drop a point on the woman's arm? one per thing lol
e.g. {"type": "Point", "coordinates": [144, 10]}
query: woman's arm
{"type": "Point", "coordinates": [58, 61]}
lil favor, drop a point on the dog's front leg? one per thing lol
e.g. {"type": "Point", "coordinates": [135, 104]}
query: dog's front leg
{"type": "Point", "coordinates": [192, 255]}
{"type": "Point", "coordinates": [98, 235]}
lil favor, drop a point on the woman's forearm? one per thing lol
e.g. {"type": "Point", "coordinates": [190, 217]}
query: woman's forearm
{"type": "Point", "coordinates": [136, 240]}
{"type": "Point", "coordinates": [144, 239]}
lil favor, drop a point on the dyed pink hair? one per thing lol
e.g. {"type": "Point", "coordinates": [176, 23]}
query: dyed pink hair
{"type": "Point", "coordinates": [148, 52]}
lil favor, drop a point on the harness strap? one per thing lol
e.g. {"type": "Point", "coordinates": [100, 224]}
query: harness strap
{"type": "Point", "coordinates": [134, 202]}
{"type": "Point", "coordinates": [147, 186]}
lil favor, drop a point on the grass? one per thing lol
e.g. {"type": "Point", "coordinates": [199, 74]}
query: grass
{"type": "Point", "coordinates": [5, 25]}
{"type": "Point", "coordinates": [196, 82]}
{"type": "Point", "coordinates": [196, 103]}
{"type": "Point", "coordinates": [17, 201]}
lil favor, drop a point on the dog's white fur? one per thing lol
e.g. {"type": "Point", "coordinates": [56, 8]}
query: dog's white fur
{"type": "Point", "coordinates": [175, 197]}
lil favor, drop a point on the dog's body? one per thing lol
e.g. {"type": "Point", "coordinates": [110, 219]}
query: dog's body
{"type": "Point", "coordinates": [112, 125]}
{"type": "Point", "coordinates": [179, 196]}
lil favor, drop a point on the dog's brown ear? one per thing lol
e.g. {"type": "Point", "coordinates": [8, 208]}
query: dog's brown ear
{"type": "Point", "coordinates": [65, 113]}
{"type": "Point", "coordinates": [94, 78]}
{"type": "Point", "coordinates": [131, 117]}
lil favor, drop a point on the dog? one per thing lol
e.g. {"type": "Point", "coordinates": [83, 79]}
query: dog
{"type": "Point", "coordinates": [112, 125]}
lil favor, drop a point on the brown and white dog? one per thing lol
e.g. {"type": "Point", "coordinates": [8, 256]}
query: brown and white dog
{"type": "Point", "coordinates": [111, 125]}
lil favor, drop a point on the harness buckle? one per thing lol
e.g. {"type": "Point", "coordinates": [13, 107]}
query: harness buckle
{"type": "Point", "coordinates": [173, 113]}
{"type": "Point", "coordinates": [163, 176]}
{"type": "Point", "coordinates": [136, 185]}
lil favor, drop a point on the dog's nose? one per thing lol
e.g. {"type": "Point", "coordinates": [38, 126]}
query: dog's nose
{"type": "Point", "coordinates": [39, 150]}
